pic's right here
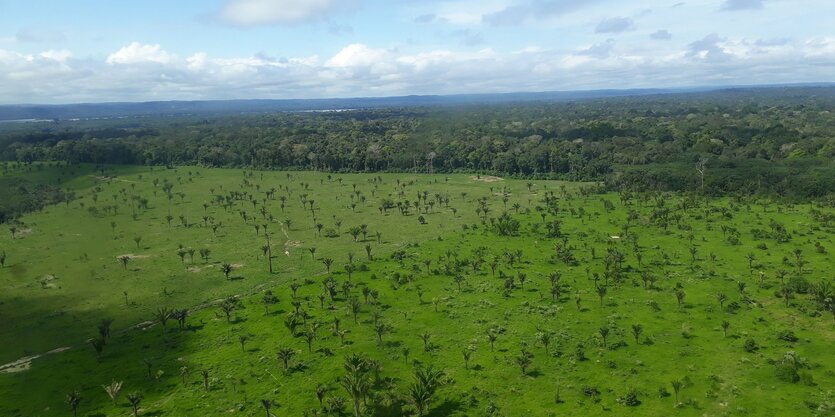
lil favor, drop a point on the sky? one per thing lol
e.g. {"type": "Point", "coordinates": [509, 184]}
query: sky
{"type": "Point", "coordinates": [66, 51]}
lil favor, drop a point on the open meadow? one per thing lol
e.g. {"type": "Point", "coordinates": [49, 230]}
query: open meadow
{"type": "Point", "coordinates": [192, 291]}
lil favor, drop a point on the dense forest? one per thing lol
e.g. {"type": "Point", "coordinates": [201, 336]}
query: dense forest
{"type": "Point", "coordinates": [771, 141]}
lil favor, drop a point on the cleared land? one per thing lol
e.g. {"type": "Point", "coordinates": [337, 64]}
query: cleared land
{"type": "Point", "coordinates": [595, 303]}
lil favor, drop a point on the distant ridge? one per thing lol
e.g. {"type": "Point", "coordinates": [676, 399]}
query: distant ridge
{"type": "Point", "coordinates": [219, 107]}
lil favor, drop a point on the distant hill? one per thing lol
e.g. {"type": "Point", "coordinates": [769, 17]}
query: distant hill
{"type": "Point", "coordinates": [215, 107]}
{"type": "Point", "coordinates": [159, 108]}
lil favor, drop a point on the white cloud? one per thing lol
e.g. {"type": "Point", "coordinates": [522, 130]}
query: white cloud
{"type": "Point", "coordinates": [357, 55]}
{"type": "Point", "coordinates": [280, 12]}
{"type": "Point", "coordinates": [54, 76]}
{"type": "Point", "coordinates": [59, 55]}
{"type": "Point", "coordinates": [137, 53]}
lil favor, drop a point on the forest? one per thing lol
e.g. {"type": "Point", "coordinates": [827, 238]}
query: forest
{"type": "Point", "coordinates": [767, 141]}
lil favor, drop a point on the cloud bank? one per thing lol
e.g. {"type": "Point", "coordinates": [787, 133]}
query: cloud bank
{"type": "Point", "coordinates": [137, 71]}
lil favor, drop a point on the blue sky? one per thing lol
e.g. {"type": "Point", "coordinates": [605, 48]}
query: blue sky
{"type": "Point", "coordinates": [92, 51]}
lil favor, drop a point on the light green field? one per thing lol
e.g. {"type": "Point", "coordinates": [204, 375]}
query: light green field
{"type": "Point", "coordinates": [62, 276]}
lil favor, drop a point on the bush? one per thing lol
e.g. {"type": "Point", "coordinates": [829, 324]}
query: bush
{"type": "Point", "coordinates": [750, 345]}
{"type": "Point", "coordinates": [787, 335]}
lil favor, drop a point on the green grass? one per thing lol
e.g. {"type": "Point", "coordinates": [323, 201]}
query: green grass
{"type": "Point", "coordinates": [78, 252]}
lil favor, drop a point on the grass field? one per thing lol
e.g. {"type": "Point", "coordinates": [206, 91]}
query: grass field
{"type": "Point", "coordinates": [442, 279]}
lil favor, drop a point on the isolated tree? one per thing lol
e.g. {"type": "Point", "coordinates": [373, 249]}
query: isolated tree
{"type": "Point", "coordinates": [604, 334]}
{"type": "Point", "coordinates": [135, 398]}
{"type": "Point", "coordinates": [242, 339]}
{"type": "Point", "coordinates": [124, 259]}
{"type": "Point", "coordinates": [113, 390]}
{"type": "Point", "coordinates": [637, 329]}
{"type": "Point", "coordinates": [524, 360]}
{"type": "Point", "coordinates": [725, 325]}
{"type": "Point", "coordinates": [327, 262]}
{"type": "Point", "coordinates": [721, 298]}
{"type": "Point", "coordinates": [677, 385]}
{"type": "Point", "coordinates": [312, 251]}
{"type": "Point", "coordinates": [2, 259]}
{"type": "Point", "coordinates": [492, 336]}
{"type": "Point", "coordinates": [544, 338]}
{"type": "Point", "coordinates": [267, 404]}
{"type": "Point", "coordinates": [226, 269]}
{"type": "Point", "coordinates": [73, 400]}
{"type": "Point", "coordinates": [368, 251]}
{"type": "Point", "coordinates": [285, 355]}
{"type": "Point", "coordinates": [380, 329]}
{"type": "Point", "coordinates": [268, 299]}
{"type": "Point", "coordinates": [354, 306]}
{"type": "Point", "coordinates": [356, 382]}
{"type": "Point", "coordinates": [427, 379]}
{"type": "Point", "coordinates": [162, 315]}
{"type": "Point", "coordinates": [98, 345]}
{"type": "Point", "coordinates": [204, 373]}
{"type": "Point", "coordinates": [137, 239]}
{"type": "Point", "coordinates": [425, 337]}
{"type": "Point", "coordinates": [228, 306]}
{"type": "Point", "coordinates": [467, 354]}
{"type": "Point", "coordinates": [601, 292]}
{"type": "Point", "coordinates": [680, 298]}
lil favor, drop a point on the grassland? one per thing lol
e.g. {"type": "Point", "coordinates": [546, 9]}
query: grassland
{"type": "Point", "coordinates": [72, 265]}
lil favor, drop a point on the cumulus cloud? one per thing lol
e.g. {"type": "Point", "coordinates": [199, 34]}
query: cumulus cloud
{"type": "Point", "coordinates": [661, 35]}
{"type": "Point", "coordinates": [709, 48]}
{"type": "Point", "coordinates": [732, 5]}
{"type": "Point", "coordinates": [138, 53]}
{"type": "Point", "coordinates": [277, 12]}
{"type": "Point", "coordinates": [140, 72]}
{"type": "Point", "coordinates": [523, 11]}
{"type": "Point", "coordinates": [614, 25]}
{"type": "Point", "coordinates": [468, 37]}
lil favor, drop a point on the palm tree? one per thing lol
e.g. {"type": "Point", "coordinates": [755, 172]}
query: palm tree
{"type": "Point", "coordinates": [604, 334]}
{"type": "Point", "coordinates": [677, 385]}
{"type": "Point", "coordinates": [492, 336]}
{"type": "Point", "coordinates": [124, 259]}
{"type": "Point", "coordinates": [544, 338]}
{"type": "Point", "coordinates": [285, 355]}
{"type": "Point", "coordinates": [228, 306]}
{"type": "Point", "coordinates": [356, 382]}
{"type": "Point", "coordinates": [268, 299]}
{"type": "Point", "coordinates": [242, 339]}
{"type": "Point", "coordinates": [524, 360]}
{"type": "Point", "coordinates": [680, 297]}
{"type": "Point", "coordinates": [725, 325]}
{"type": "Point", "coordinates": [134, 399]}
{"type": "Point", "coordinates": [380, 329]}
{"type": "Point", "coordinates": [328, 262]}
{"type": "Point", "coordinates": [98, 345]}
{"type": "Point", "coordinates": [267, 404]}
{"type": "Point", "coordinates": [354, 306]}
{"type": "Point", "coordinates": [425, 336]}
{"type": "Point", "coordinates": [162, 315]}
{"type": "Point", "coordinates": [321, 390]}
{"type": "Point", "coordinates": [601, 292]}
{"type": "Point", "coordinates": [113, 390]}
{"type": "Point", "coordinates": [73, 400]}
{"type": "Point", "coordinates": [467, 353]}
{"type": "Point", "coordinates": [721, 298]}
{"type": "Point", "coordinates": [427, 379]}
{"type": "Point", "coordinates": [637, 329]}
{"type": "Point", "coordinates": [226, 269]}
{"type": "Point", "coordinates": [205, 374]}
{"type": "Point", "coordinates": [312, 251]}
